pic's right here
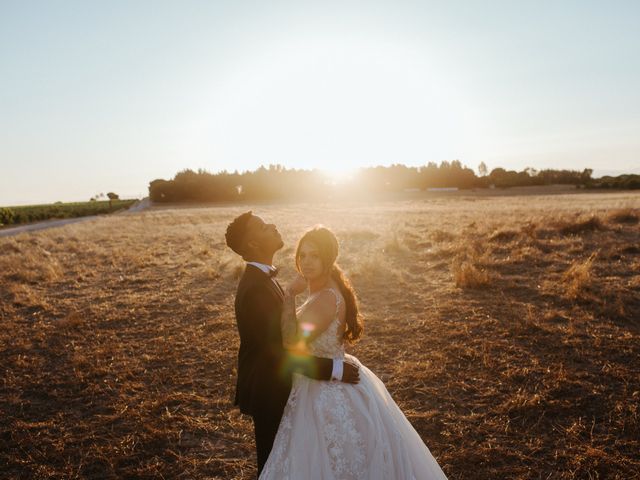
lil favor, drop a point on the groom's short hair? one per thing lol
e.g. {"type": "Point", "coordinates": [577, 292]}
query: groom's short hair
{"type": "Point", "coordinates": [237, 232]}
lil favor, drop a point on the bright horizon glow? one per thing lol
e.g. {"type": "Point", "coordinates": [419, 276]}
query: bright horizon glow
{"type": "Point", "coordinates": [97, 98]}
{"type": "Point", "coordinates": [338, 175]}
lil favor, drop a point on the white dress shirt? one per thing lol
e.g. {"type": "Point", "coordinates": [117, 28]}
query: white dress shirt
{"type": "Point", "coordinates": [263, 266]}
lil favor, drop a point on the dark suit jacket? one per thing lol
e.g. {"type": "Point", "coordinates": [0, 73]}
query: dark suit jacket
{"type": "Point", "coordinates": [264, 367]}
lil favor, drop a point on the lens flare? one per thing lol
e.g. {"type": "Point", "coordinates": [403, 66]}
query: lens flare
{"type": "Point", "coordinates": [307, 328]}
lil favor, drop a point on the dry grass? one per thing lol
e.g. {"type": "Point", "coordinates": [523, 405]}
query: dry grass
{"type": "Point", "coordinates": [118, 345]}
{"type": "Point", "coordinates": [579, 278]}
{"type": "Point", "coordinates": [467, 275]}
{"type": "Point", "coordinates": [581, 225]}
{"type": "Point", "coordinates": [624, 215]}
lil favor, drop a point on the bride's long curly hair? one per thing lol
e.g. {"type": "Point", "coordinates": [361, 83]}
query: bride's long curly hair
{"type": "Point", "coordinates": [327, 245]}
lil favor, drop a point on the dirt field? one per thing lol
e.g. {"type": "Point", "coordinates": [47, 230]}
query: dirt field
{"type": "Point", "coordinates": [506, 327]}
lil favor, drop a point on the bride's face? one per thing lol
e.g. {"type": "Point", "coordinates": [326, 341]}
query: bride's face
{"type": "Point", "coordinates": [310, 262]}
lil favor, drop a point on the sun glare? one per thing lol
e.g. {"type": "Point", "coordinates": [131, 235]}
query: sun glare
{"type": "Point", "coordinates": [339, 174]}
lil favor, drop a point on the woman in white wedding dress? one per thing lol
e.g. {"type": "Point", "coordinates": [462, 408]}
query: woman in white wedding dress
{"type": "Point", "coordinates": [333, 430]}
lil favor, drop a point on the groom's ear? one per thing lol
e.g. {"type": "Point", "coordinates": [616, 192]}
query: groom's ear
{"type": "Point", "coordinates": [250, 246]}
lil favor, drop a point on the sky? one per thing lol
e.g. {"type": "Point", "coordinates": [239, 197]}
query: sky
{"type": "Point", "coordinates": [108, 96]}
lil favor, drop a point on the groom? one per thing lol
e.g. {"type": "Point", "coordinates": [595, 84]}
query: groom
{"type": "Point", "coordinates": [264, 367]}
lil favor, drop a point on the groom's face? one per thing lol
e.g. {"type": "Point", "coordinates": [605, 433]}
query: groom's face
{"type": "Point", "coordinates": [263, 237]}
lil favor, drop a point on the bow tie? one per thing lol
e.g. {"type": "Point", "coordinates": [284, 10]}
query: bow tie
{"type": "Point", "coordinates": [273, 273]}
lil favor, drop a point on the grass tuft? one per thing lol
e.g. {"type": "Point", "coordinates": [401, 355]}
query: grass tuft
{"type": "Point", "coordinates": [576, 227]}
{"type": "Point", "coordinates": [578, 279]}
{"type": "Point", "coordinates": [467, 275]}
{"type": "Point", "coordinates": [628, 216]}
{"type": "Point", "coordinates": [504, 236]}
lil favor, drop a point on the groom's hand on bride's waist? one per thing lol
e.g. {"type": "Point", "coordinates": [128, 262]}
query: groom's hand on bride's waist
{"type": "Point", "coordinates": [350, 373]}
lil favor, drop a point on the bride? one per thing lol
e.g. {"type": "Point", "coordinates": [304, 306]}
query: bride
{"type": "Point", "coordinates": [333, 430]}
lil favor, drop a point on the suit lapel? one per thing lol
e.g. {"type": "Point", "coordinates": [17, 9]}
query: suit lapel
{"type": "Point", "coordinates": [276, 288]}
{"type": "Point", "coordinates": [260, 276]}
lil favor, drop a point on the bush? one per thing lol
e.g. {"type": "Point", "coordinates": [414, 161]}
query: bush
{"type": "Point", "coordinates": [7, 216]}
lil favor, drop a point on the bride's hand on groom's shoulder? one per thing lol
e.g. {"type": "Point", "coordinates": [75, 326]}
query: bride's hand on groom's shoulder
{"type": "Point", "coordinates": [297, 286]}
{"type": "Point", "coordinates": [350, 373]}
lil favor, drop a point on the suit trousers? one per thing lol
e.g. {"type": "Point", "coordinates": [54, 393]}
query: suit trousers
{"type": "Point", "coordinates": [266, 428]}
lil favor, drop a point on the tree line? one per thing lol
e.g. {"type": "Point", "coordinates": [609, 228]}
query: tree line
{"type": "Point", "coordinates": [277, 182]}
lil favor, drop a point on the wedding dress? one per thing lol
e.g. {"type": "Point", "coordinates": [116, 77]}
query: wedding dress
{"type": "Point", "coordinates": [339, 431]}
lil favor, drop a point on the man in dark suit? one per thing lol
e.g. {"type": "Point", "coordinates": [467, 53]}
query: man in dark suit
{"type": "Point", "coordinates": [264, 366]}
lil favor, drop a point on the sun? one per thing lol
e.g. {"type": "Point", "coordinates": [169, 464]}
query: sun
{"type": "Point", "coordinates": [337, 174]}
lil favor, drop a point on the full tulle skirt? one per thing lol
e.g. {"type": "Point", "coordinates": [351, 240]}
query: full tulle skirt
{"type": "Point", "coordinates": [337, 431]}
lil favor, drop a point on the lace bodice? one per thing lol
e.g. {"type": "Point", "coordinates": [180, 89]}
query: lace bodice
{"type": "Point", "coordinates": [328, 344]}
